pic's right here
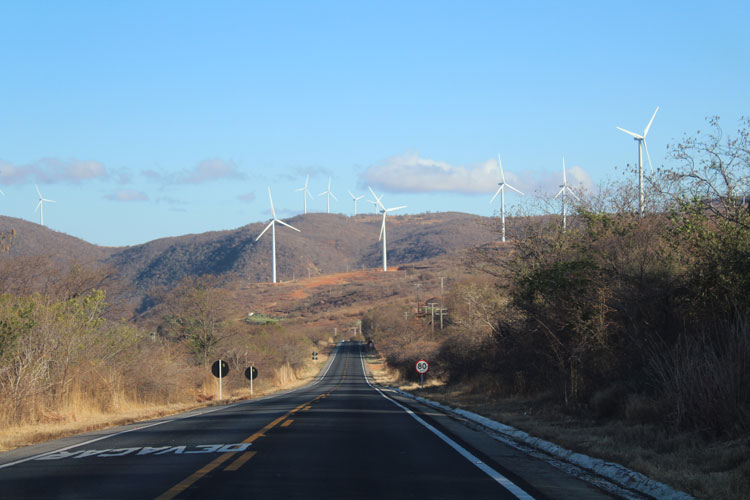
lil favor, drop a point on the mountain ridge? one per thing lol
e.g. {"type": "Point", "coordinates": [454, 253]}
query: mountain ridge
{"type": "Point", "coordinates": [326, 243]}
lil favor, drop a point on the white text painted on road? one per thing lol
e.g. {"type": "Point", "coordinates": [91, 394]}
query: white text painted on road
{"type": "Point", "coordinates": [148, 450]}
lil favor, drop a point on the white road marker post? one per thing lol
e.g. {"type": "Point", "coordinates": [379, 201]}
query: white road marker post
{"type": "Point", "coordinates": [251, 379]}
{"type": "Point", "coordinates": [221, 375]}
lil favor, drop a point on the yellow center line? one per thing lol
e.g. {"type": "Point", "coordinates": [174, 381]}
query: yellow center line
{"type": "Point", "coordinates": [287, 423]}
{"type": "Point", "coordinates": [240, 461]}
{"type": "Point", "coordinates": [203, 471]}
{"type": "Point", "coordinates": [244, 457]}
{"type": "Point", "coordinates": [195, 476]}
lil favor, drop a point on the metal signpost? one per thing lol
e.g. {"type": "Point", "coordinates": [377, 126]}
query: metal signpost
{"type": "Point", "coordinates": [422, 367]}
{"type": "Point", "coordinates": [251, 373]}
{"type": "Point", "coordinates": [220, 369]}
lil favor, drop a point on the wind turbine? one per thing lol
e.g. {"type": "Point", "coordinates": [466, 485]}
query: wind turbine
{"type": "Point", "coordinates": [382, 227]}
{"type": "Point", "coordinates": [356, 199]}
{"type": "Point", "coordinates": [40, 205]}
{"type": "Point", "coordinates": [329, 194]}
{"type": "Point", "coordinates": [272, 225]}
{"type": "Point", "coordinates": [565, 189]}
{"type": "Point", "coordinates": [376, 202]}
{"type": "Point", "coordinates": [641, 140]}
{"type": "Point", "coordinates": [305, 191]}
{"type": "Point", "coordinates": [501, 192]}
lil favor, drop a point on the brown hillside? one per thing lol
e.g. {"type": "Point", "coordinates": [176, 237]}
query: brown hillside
{"type": "Point", "coordinates": [326, 244]}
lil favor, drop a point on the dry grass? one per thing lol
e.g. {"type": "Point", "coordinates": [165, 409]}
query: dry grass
{"type": "Point", "coordinates": [690, 462]}
{"type": "Point", "coordinates": [83, 414]}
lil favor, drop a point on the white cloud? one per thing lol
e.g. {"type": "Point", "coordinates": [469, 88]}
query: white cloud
{"type": "Point", "coordinates": [206, 171]}
{"type": "Point", "coordinates": [411, 173]}
{"type": "Point", "coordinates": [247, 197]}
{"type": "Point", "coordinates": [577, 176]}
{"type": "Point", "coordinates": [127, 195]}
{"type": "Point", "coordinates": [414, 174]}
{"type": "Point", "coordinates": [52, 171]}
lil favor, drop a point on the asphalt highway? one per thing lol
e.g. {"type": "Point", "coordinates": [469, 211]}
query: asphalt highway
{"type": "Point", "coordinates": [338, 437]}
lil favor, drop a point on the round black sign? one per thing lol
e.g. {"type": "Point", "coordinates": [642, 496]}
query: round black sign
{"type": "Point", "coordinates": [224, 369]}
{"type": "Point", "coordinates": [251, 373]}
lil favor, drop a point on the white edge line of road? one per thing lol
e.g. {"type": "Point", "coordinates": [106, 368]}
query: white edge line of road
{"type": "Point", "coordinates": [618, 475]}
{"type": "Point", "coordinates": [506, 483]}
{"type": "Point", "coordinates": [140, 427]}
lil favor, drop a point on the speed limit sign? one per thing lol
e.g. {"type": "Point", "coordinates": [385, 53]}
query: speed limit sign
{"type": "Point", "coordinates": [422, 366]}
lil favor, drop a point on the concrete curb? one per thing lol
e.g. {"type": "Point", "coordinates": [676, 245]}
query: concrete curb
{"type": "Point", "coordinates": [617, 474]}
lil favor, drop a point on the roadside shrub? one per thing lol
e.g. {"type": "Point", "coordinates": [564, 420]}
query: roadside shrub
{"type": "Point", "coordinates": [608, 402]}
{"type": "Point", "coordinates": [643, 409]}
{"type": "Point", "coordinates": [705, 381]}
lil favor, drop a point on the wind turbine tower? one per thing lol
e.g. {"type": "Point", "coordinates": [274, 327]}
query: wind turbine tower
{"type": "Point", "coordinates": [305, 192]}
{"type": "Point", "coordinates": [272, 225]}
{"type": "Point", "coordinates": [501, 191]}
{"type": "Point", "coordinates": [40, 205]}
{"type": "Point", "coordinates": [328, 194]}
{"type": "Point", "coordinates": [565, 189]}
{"type": "Point", "coordinates": [356, 199]}
{"type": "Point", "coordinates": [641, 140]}
{"type": "Point", "coordinates": [382, 227]}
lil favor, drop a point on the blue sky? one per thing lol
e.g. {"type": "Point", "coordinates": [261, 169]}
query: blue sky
{"type": "Point", "coordinates": [152, 119]}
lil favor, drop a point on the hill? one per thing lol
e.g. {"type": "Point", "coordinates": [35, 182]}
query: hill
{"type": "Point", "coordinates": [326, 243]}
{"type": "Point", "coordinates": [34, 240]}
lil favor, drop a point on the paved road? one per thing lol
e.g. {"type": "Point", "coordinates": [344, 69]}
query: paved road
{"type": "Point", "coordinates": [336, 438]}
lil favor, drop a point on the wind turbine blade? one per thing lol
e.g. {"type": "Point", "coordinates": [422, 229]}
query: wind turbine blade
{"type": "Point", "coordinates": [266, 229]}
{"type": "Point", "coordinates": [565, 179]}
{"type": "Point", "coordinates": [382, 228]}
{"type": "Point", "coordinates": [37, 191]}
{"type": "Point", "coordinates": [559, 193]}
{"type": "Point", "coordinates": [350, 194]}
{"type": "Point", "coordinates": [323, 193]}
{"type": "Point", "coordinates": [514, 189]}
{"type": "Point", "coordinates": [497, 193]}
{"type": "Point", "coordinates": [645, 146]}
{"type": "Point", "coordinates": [273, 212]}
{"type": "Point", "coordinates": [300, 189]}
{"type": "Point", "coordinates": [329, 184]}
{"type": "Point", "coordinates": [574, 194]}
{"type": "Point", "coordinates": [2, 193]}
{"type": "Point", "coordinates": [287, 225]}
{"type": "Point", "coordinates": [334, 197]}
{"type": "Point", "coordinates": [500, 166]}
{"type": "Point", "coordinates": [630, 133]}
{"type": "Point", "coordinates": [38, 205]}
{"type": "Point", "coordinates": [53, 201]}
{"type": "Point", "coordinates": [396, 208]}
{"type": "Point", "coordinates": [307, 179]}
{"type": "Point", "coordinates": [377, 200]}
{"type": "Point", "coordinates": [310, 195]}
{"type": "Point", "coordinates": [650, 122]}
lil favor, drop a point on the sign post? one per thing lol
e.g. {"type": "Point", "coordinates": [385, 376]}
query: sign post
{"type": "Point", "coordinates": [220, 369]}
{"type": "Point", "coordinates": [250, 374]}
{"type": "Point", "coordinates": [422, 367]}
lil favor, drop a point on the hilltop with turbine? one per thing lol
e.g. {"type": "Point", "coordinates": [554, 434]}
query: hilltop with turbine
{"type": "Point", "coordinates": [326, 243]}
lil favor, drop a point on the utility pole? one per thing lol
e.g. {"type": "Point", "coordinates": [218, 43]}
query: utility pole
{"type": "Point", "coordinates": [418, 285]}
{"type": "Point", "coordinates": [441, 302]}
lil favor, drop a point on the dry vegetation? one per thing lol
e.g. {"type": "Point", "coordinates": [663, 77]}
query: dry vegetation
{"type": "Point", "coordinates": [624, 337]}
